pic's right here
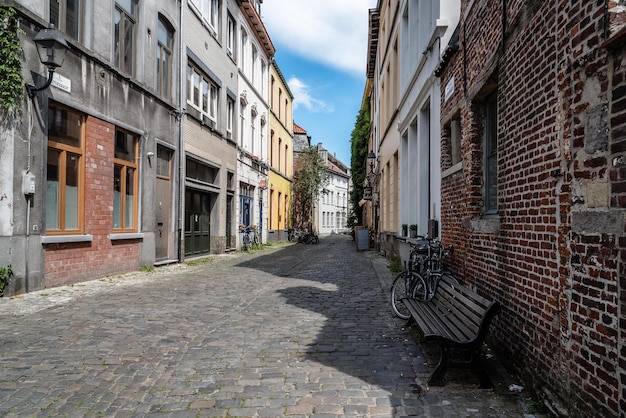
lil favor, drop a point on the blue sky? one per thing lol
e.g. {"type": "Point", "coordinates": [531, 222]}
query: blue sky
{"type": "Point", "coordinates": [321, 49]}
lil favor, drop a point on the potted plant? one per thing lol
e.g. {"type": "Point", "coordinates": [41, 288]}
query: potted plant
{"type": "Point", "coordinates": [6, 274]}
{"type": "Point", "coordinates": [405, 230]}
{"type": "Point", "coordinates": [413, 229]}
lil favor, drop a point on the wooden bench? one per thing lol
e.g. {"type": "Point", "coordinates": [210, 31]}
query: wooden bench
{"type": "Point", "coordinates": [457, 319]}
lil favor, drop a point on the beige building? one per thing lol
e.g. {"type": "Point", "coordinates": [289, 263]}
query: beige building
{"type": "Point", "coordinates": [383, 72]}
{"type": "Point", "coordinates": [280, 156]}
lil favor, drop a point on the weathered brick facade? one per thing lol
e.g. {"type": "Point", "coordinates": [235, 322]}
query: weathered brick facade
{"type": "Point", "coordinates": [553, 254]}
{"type": "Point", "coordinates": [79, 261]}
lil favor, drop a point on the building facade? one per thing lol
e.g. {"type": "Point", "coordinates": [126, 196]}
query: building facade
{"type": "Point", "coordinates": [532, 190]}
{"type": "Point", "coordinates": [255, 53]}
{"type": "Point", "coordinates": [99, 149]}
{"type": "Point", "coordinates": [150, 146]}
{"type": "Point", "coordinates": [333, 205]}
{"type": "Point", "coordinates": [210, 131]}
{"type": "Point", "coordinates": [280, 156]}
{"type": "Point", "coordinates": [405, 47]}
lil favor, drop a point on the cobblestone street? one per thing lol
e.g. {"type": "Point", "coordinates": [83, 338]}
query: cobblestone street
{"type": "Point", "coordinates": [294, 330]}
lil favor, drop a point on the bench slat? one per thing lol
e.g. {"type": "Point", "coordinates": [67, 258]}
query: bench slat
{"type": "Point", "coordinates": [434, 322]}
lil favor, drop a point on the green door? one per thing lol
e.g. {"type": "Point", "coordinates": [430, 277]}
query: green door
{"type": "Point", "coordinates": [197, 223]}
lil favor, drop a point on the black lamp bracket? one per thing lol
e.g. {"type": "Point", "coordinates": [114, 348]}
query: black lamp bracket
{"type": "Point", "coordinates": [32, 90]}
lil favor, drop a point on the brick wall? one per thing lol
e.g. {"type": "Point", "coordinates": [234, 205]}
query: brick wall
{"type": "Point", "coordinates": [73, 262]}
{"type": "Point", "coordinates": [549, 255]}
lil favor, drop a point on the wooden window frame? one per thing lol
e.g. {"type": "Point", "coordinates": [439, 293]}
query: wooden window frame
{"type": "Point", "coordinates": [125, 165]}
{"type": "Point", "coordinates": [64, 149]}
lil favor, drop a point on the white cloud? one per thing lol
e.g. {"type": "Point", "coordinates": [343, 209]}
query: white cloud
{"type": "Point", "coordinates": [302, 97]}
{"type": "Point", "coordinates": [330, 31]}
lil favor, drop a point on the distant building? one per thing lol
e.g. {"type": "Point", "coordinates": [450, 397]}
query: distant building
{"type": "Point", "coordinates": [300, 138]}
{"type": "Point", "coordinates": [280, 156]}
{"type": "Point", "coordinates": [333, 206]}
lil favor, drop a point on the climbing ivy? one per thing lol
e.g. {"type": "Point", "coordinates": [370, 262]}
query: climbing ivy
{"type": "Point", "coordinates": [11, 82]}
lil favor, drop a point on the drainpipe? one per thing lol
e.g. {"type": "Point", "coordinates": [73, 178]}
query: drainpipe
{"type": "Point", "coordinates": [181, 142]}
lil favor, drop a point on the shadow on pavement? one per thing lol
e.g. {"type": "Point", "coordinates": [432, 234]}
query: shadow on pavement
{"type": "Point", "coordinates": [361, 337]}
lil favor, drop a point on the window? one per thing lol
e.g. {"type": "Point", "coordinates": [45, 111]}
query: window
{"type": "Point", "coordinates": [200, 172]}
{"type": "Point", "coordinates": [255, 59]}
{"type": "Point", "coordinates": [230, 117]}
{"type": "Point", "coordinates": [165, 45]}
{"type": "Point", "coordinates": [163, 165]}
{"type": "Point", "coordinates": [231, 37]}
{"type": "Point", "coordinates": [491, 155]}
{"type": "Point", "coordinates": [65, 15]}
{"type": "Point", "coordinates": [125, 182]}
{"type": "Point", "coordinates": [455, 141]}
{"type": "Point", "coordinates": [124, 20]}
{"type": "Point", "coordinates": [202, 94]}
{"type": "Point", "coordinates": [244, 46]}
{"type": "Point", "coordinates": [64, 174]}
{"type": "Point", "coordinates": [209, 11]}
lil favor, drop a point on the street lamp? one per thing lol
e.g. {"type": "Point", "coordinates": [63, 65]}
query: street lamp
{"type": "Point", "coordinates": [371, 159]}
{"type": "Point", "coordinates": [51, 48]}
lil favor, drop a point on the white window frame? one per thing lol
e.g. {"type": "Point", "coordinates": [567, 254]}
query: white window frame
{"type": "Point", "coordinates": [206, 101]}
{"type": "Point", "coordinates": [231, 37]}
{"type": "Point", "coordinates": [208, 11]}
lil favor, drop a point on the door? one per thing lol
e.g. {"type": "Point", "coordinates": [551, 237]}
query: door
{"type": "Point", "coordinates": [197, 223]}
{"type": "Point", "coordinates": [163, 200]}
{"type": "Point", "coordinates": [229, 222]}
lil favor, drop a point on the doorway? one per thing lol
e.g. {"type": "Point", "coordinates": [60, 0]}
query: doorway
{"type": "Point", "coordinates": [163, 203]}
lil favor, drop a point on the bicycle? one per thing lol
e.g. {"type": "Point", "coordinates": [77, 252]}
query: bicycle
{"type": "Point", "coordinates": [420, 279]}
{"type": "Point", "coordinates": [246, 240]}
{"type": "Point", "coordinates": [250, 238]}
{"type": "Point", "coordinates": [255, 237]}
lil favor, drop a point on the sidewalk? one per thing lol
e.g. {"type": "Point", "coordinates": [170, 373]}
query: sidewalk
{"type": "Point", "coordinates": [295, 330]}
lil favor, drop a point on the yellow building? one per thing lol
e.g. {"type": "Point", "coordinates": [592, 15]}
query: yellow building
{"type": "Point", "coordinates": [280, 156]}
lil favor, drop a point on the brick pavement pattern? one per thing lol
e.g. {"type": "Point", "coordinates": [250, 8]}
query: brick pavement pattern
{"type": "Point", "coordinates": [294, 330]}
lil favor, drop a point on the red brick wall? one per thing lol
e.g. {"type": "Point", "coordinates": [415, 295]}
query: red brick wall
{"type": "Point", "coordinates": [73, 262]}
{"type": "Point", "coordinates": [551, 270]}
{"type": "Point", "coordinates": [617, 175]}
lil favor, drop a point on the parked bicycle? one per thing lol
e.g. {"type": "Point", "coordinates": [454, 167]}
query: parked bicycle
{"type": "Point", "coordinates": [420, 279]}
{"type": "Point", "coordinates": [301, 236]}
{"type": "Point", "coordinates": [250, 238]}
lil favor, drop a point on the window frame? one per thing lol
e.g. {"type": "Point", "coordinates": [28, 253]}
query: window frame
{"type": "Point", "coordinates": [62, 23]}
{"type": "Point", "coordinates": [65, 149]}
{"type": "Point", "coordinates": [118, 59]}
{"type": "Point", "coordinates": [230, 117]}
{"type": "Point", "coordinates": [207, 90]}
{"type": "Point", "coordinates": [231, 37]}
{"type": "Point", "coordinates": [164, 80]}
{"type": "Point", "coordinates": [125, 164]}
{"type": "Point", "coordinates": [490, 152]}
{"type": "Point", "coordinates": [209, 12]}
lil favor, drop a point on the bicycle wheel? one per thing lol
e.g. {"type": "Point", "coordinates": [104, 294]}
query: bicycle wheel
{"type": "Point", "coordinates": [433, 282]}
{"type": "Point", "coordinates": [246, 242]}
{"type": "Point", "coordinates": [256, 242]}
{"type": "Point", "coordinates": [400, 290]}
{"type": "Point", "coordinates": [420, 290]}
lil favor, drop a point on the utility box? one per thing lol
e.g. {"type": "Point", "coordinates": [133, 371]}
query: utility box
{"type": "Point", "coordinates": [361, 238]}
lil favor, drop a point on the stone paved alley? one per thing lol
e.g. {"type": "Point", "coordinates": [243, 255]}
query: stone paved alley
{"type": "Point", "coordinates": [293, 330]}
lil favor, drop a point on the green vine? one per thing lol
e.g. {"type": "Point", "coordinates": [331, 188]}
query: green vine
{"type": "Point", "coordinates": [11, 82]}
{"type": "Point", "coordinates": [5, 274]}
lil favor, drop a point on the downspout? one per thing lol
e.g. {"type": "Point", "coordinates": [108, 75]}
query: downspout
{"type": "Point", "coordinates": [181, 142]}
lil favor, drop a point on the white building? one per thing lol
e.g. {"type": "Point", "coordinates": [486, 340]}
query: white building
{"type": "Point", "coordinates": [333, 205]}
{"type": "Point", "coordinates": [254, 53]}
{"type": "Point", "coordinates": [425, 28]}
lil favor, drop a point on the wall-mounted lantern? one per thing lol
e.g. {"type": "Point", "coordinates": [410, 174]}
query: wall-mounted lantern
{"type": "Point", "coordinates": [51, 48]}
